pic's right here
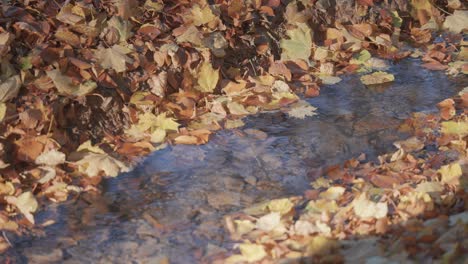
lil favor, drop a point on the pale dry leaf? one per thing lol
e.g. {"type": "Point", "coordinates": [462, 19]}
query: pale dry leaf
{"type": "Point", "coordinates": [51, 158]}
{"type": "Point", "coordinates": [92, 164]}
{"type": "Point", "coordinates": [9, 88]}
{"type": "Point", "coordinates": [26, 204]}
{"type": "Point", "coordinates": [365, 208]}
{"type": "Point", "coordinates": [377, 78]}
{"type": "Point", "coordinates": [299, 43]}
{"type": "Point", "coordinates": [65, 86]}
{"type": "Point", "coordinates": [301, 110]}
{"type": "Point", "coordinates": [114, 57]}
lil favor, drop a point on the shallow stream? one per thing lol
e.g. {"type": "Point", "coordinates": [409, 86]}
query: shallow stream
{"type": "Point", "coordinates": [172, 205]}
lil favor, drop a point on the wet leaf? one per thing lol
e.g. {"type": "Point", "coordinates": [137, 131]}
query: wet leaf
{"type": "Point", "coordinates": [282, 206]}
{"type": "Point", "coordinates": [269, 222]}
{"type": "Point", "coordinates": [301, 110]}
{"type": "Point", "coordinates": [299, 44]}
{"type": "Point", "coordinates": [377, 78]}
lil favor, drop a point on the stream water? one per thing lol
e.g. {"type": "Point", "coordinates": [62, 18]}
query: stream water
{"type": "Point", "coordinates": [172, 205]}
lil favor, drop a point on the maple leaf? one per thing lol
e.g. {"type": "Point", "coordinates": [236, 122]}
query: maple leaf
{"type": "Point", "coordinates": [202, 15]}
{"type": "Point", "coordinates": [207, 78]}
{"type": "Point", "coordinates": [51, 158]}
{"type": "Point", "coordinates": [113, 58]}
{"type": "Point", "coordinates": [299, 44]}
{"type": "Point", "coordinates": [93, 163]}
{"type": "Point", "coordinates": [301, 110]}
{"type": "Point", "coordinates": [457, 22]}
{"type": "Point", "coordinates": [65, 86]}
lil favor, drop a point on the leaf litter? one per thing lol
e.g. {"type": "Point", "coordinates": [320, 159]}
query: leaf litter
{"type": "Point", "coordinates": [86, 87]}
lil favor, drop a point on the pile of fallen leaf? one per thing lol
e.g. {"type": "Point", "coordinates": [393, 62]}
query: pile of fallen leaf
{"type": "Point", "coordinates": [412, 204]}
{"type": "Point", "coordinates": [89, 86]}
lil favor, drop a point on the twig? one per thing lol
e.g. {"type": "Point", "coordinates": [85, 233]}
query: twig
{"type": "Point", "coordinates": [6, 239]}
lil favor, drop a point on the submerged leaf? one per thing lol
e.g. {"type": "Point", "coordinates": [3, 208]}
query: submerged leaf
{"type": "Point", "coordinates": [301, 110]}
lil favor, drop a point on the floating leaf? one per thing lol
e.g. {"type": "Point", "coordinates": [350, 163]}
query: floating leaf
{"type": "Point", "coordinates": [301, 110]}
{"type": "Point", "coordinates": [377, 78]}
{"type": "Point", "coordinates": [299, 44]}
{"type": "Point", "coordinates": [207, 78]}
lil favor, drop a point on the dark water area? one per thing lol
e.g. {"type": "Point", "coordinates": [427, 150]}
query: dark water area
{"type": "Point", "coordinates": [172, 205]}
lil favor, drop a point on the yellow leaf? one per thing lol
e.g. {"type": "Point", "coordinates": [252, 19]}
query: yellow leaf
{"type": "Point", "coordinates": [202, 16]}
{"type": "Point", "coordinates": [282, 206]}
{"type": "Point", "coordinates": [454, 127]}
{"type": "Point", "coordinates": [252, 252]}
{"type": "Point", "coordinates": [92, 164]}
{"type": "Point", "coordinates": [333, 193]}
{"type": "Point", "coordinates": [3, 109]}
{"type": "Point", "coordinates": [166, 123]}
{"type": "Point", "coordinates": [207, 78]}
{"type": "Point", "coordinates": [158, 135]}
{"type": "Point", "coordinates": [377, 78]}
{"type": "Point", "coordinates": [451, 173]}
{"type": "Point", "coordinates": [299, 44]}
{"type": "Point", "coordinates": [87, 146]}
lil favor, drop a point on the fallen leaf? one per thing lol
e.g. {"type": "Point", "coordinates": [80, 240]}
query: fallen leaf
{"type": "Point", "coordinates": [51, 158]}
{"type": "Point", "coordinates": [451, 173]}
{"type": "Point", "coordinates": [269, 222]}
{"type": "Point", "coordinates": [114, 57]}
{"type": "Point", "coordinates": [377, 78]}
{"type": "Point", "coordinates": [207, 78]}
{"type": "Point", "coordinates": [457, 22]}
{"type": "Point", "coordinates": [252, 252]}
{"type": "Point", "coordinates": [364, 208]}
{"type": "Point", "coordinates": [92, 164]}
{"type": "Point", "coordinates": [9, 88]}
{"type": "Point", "coordinates": [26, 204]}
{"type": "Point", "coordinates": [299, 44]}
{"type": "Point", "coordinates": [65, 86]}
{"type": "Point", "coordinates": [301, 110]}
